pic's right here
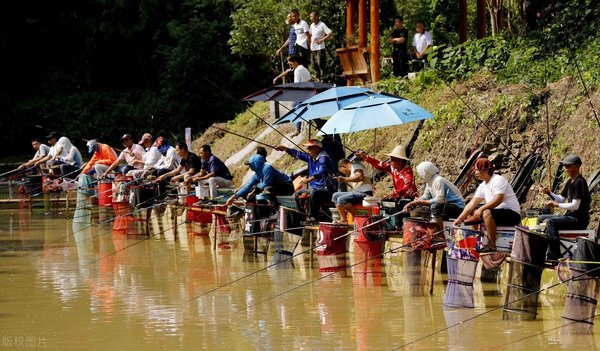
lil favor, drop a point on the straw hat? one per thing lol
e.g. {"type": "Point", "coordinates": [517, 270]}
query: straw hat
{"type": "Point", "coordinates": [399, 152]}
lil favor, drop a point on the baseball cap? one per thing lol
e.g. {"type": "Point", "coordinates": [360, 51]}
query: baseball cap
{"type": "Point", "coordinates": [483, 164]}
{"type": "Point", "coordinates": [53, 135]}
{"type": "Point", "coordinates": [146, 136]}
{"type": "Point", "coordinates": [571, 160]}
{"type": "Point", "coordinates": [125, 137]}
{"type": "Point", "coordinates": [313, 142]}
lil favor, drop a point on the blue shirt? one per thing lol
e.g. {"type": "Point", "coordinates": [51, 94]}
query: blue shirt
{"type": "Point", "coordinates": [264, 175]}
{"type": "Point", "coordinates": [292, 42]}
{"type": "Point", "coordinates": [216, 166]}
{"type": "Point", "coordinates": [320, 168]}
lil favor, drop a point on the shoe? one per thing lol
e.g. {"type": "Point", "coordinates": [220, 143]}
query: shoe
{"type": "Point", "coordinates": [487, 250]}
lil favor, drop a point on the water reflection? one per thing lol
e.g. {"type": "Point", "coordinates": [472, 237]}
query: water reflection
{"type": "Point", "coordinates": [150, 293]}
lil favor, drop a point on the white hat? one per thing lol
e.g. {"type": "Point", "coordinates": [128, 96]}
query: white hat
{"type": "Point", "coordinates": [399, 152]}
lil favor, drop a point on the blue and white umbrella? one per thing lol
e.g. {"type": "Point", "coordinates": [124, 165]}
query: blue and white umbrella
{"type": "Point", "coordinates": [326, 104]}
{"type": "Point", "coordinates": [374, 113]}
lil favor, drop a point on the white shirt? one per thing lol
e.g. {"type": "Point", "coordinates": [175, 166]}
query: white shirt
{"type": "Point", "coordinates": [301, 28]}
{"type": "Point", "coordinates": [499, 185]}
{"type": "Point", "coordinates": [421, 41]}
{"type": "Point", "coordinates": [65, 145]}
{"type": "Point", "coordinates": [301, 74]}
{"type": "Point", "coordinates": [365, 184]}
{"type": "Point", "coordinates": [170, 161]}
{"type": "Point", "coordinates": [318, 31]}
{"type": "Point", "coordinates": [136, 153]}
{"type": "Point", "coordinates": [151, 157]}
{"type": "Point", "coordinates": [42, 151]}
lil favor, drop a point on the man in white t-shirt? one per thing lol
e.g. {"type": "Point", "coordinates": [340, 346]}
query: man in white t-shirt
{"type": "Point", "coordinates": [501, 206]}
{"type": "Point", "coordinates": [319, 32]}
{"type": "Point", "coordinates": [302, 36]}
{"type": "Point", "coordinates": [421, 43]}
{"type": "Point", "coordinates": [131, 153]}
{"type": "Point", "coordinates": [355, 175]}
{"type": "Point", "coordinates": [41, 151]}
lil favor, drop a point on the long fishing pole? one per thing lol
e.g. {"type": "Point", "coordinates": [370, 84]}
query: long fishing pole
{"type": "Point", "coordinates": [252, 112]}
{"type": "Point", "coordinates": [288, 258]}
{"type": "Point", "coordinates": [241, 136]}
{"type": "Point", "coordinates": [477, 116]}
{"type": "Point", "coordinates": [393, 250]}
{"type": "Point", "coordinates": [497, 308]}
{"type": "Point", "coordinates": [14, 170]}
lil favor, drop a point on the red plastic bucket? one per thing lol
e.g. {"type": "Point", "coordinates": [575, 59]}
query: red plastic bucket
{"type": "Point", "coordinates": [417, 233]}
{"type": "Point", "coordinates": [105, 192]}
{"type": "Point", "coordinates": [331, 253]}
{"type": "Point", "coordinates": [196, 216]}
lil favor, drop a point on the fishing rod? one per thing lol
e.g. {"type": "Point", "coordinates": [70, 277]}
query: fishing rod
{"type": "Point", "coordinates": [393, 250]}
{"type": "Point", "coordinates": [497, 308]}
{"type": "Point", "coordinates": [252, 112]}
{"type": "Point", "coordinates": [476, 115]}
{"type": "Point", "coordinates": [288, 258]}
{"type": "Point", "coordinates": [14, 170]}
{"type": "Point", "coordinates": [241, 136]}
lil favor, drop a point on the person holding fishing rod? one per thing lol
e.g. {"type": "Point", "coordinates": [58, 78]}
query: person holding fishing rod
{"type": "Point", "coordinates": [213, 172]}
{"type": "Point", "coordinates": [132, 152]}
{"type": "Point", "coordinates": [266, 181]}
{"type": "Point", "coordinates": [41, 151]}
{"type": "Point", "coordinates": [63, 155]}
{"type": "Point", "coordinates": [102, 157]}
{"type": "Point", "coordinates": [575, 199]}
{"type": "Point", "coordinates": [320, 179]}
{"type": "Point", "coordinates": [405, 189]}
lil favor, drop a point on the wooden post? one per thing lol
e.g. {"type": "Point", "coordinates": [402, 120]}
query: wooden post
{"type": "Point", "coordinates": [362, 23]}
{"type": "Point", "coordinates": [375, 65]}
{"type": "Point", "coordinates": [462, 21]}
{"type": "Point", "coordinates": [349, 21]}
{"type": "Point", "coordinates": [480, 19]}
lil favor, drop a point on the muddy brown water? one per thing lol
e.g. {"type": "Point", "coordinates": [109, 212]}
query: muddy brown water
{"type": "Point", "coordinates": [68, 286]}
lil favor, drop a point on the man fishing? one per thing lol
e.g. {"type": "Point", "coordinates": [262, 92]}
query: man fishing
{"type": "Point", "coordinates": [103, 156]}
{"type": "Point", "coordinates": [132, 152]}
{"type": "Point", "coordinates": [41, 151]}
{"type": "Point", "coordinates": [501, 206]}
{"type": "Point", "coordinates": [353, 174]}
{"type": "Point", "coordinates": [213, 172]}
{"type": "Point", "coordinates": [63, 155]}
{"type": "Point", "coordinates": [190, 163]}
{"type": "Point", "coordinates": [320, 178]}
{"type": "Point", "coordinates": [575, 199]}
{"type": "Point", "coordinates": [266, 181]}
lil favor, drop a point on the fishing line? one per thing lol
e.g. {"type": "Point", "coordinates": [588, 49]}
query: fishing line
{"type": "Point", "coordinates": [588, 320]}
{"type": "Point", "coordinates": [495, 309]}
{"type": "Point", "coordinates": [291, 257]}
{"type": "Point", "coordinates": [249, 110]}
{"type": "Point", "coordinates": [241, 136]}
{"type": "Point", "coordinates": [423, 238]}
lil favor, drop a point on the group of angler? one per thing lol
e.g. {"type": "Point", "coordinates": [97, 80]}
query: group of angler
{"type": "Point", "coordinates": [494, 203]}
{"type": "Point", "coordinates": [158, 159]}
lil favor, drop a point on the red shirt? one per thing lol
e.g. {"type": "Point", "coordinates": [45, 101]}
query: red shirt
{"type": "Point", "coordinates": [404, 179]}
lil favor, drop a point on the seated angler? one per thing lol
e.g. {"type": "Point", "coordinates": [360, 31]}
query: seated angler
{"type": "Point", "coordinates": [266, 180]}
{"type": "Point", "coordinates": [213, 172]}
{"type": "Point", "coordinates": [575, 199]}
{"type": "Point", "coordinates": [441, 196]}
{"type": "Point", "coordinates": [150, 158]}
{"type": "Point", "coordinates": [403, 178]}
{"type": "Point", "coordinates": [102, 157]}
{"type": "Point", "coordinates": [168, 161]}
{"type": "Point", "coordinates": [353, 174]}
{"type": "Point", "coordinates": [63, 155]}
{"type": "Point", "coordinates": [320, 179]}
{"type": "Point", "coordinates": [501, 206]}
{"type": "Point", "coordinates": [132, 153]}
{"type": "Point", "coordinates": [41, 151]}
{"type": "Point", "coordinates": [188, 167]}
